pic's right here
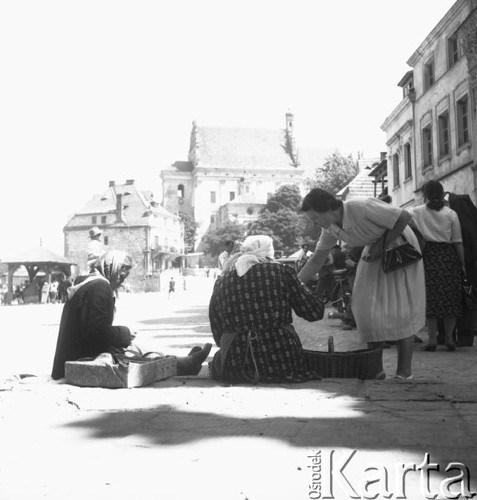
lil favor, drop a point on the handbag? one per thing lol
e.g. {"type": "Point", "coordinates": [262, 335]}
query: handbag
{"type": "Point", "coordinates": [395, 258]}
{"type": "Point", "coordinates": [469, 296]}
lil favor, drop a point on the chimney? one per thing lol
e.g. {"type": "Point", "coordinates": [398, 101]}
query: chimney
{"type": "Point", "coordinates": [129, 182]}
{"type": "Point", "coordinates": [383, 155]}
{"type": "Point", "coordinates": [112, 184]}
{"type": "Point", "coordinates": [119, 208]}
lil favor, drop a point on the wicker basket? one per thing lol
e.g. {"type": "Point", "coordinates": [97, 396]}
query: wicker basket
{"type": "Point", "coordinates": [362, 364]}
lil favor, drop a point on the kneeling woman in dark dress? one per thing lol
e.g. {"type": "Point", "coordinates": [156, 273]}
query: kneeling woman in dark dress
{"type": "Point", "coordinates": [251, 318]}
{"type": "Point", "coordinates": [86, 327]}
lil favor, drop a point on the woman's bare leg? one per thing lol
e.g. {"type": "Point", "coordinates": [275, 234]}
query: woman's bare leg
{"type": "Point", "coordinates": [449, 325]}
{"type": "Point", "coordinates": [432, 331]}
{"type": "Point", "coordinates": [405, 350]}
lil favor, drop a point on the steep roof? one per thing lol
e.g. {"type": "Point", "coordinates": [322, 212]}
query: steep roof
{"type": "Point", "coordinates": [242, 148]}
{"type": "Point", "coordinates": [36, 256]}
{"type": "Point", "coordinates": [137, 205]}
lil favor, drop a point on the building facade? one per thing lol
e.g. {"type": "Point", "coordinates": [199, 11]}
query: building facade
{"type": "Point", "coordinates": [230, 173]}
{"type": "Point", "coordinates": [130, 220]}
{"type": "Point", "coordinates": [430, 134]}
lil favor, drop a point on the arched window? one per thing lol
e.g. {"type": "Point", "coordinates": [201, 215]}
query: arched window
{"type": "Point", "coordinates": [180, 191]}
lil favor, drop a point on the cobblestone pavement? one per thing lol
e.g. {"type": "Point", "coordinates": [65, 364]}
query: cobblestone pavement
{"type": "Point", "coordinates": [191, 437]}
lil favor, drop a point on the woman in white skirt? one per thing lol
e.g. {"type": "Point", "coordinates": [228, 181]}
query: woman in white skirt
{"type": "Point", "coordinates": [386, 306]}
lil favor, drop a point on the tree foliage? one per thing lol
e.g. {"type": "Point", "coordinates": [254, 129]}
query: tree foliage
{"type": "Point", "coordinates": [190, 230]}
{"type": "Point", "coordinates": [282, 220]}
{"type": "Point", "coordinates": [337, 172]}
{"type": "Point", "coordinates": [213, 241]}
{"type": "Point", "coordinates": [286, 197]}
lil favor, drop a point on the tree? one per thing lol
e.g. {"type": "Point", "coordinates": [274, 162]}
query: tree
{"type": "Point", "coordinates": [285, 226]}
{"type": "Point", "coordinates": [337, 172]}
{"type": "Point", "coordinates": [190, 230]}
{"type": "Point", "coordinates": [286, 197]}
{"type": "Point", "coordinates": [281, 219]}
{"type": "Point", "coordinates": [213, 241]}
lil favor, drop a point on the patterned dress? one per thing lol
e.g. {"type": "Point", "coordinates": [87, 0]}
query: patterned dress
{"type": "Point", "coordinates": [251, 321]}
{"type": "Point", "coordinates": [441, 230]}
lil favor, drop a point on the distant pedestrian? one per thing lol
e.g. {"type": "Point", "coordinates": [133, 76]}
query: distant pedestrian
{"type": "Point", "coordinates": [95, 247]}
{"type": "Point", "coordinates": [184, 284]}
{"type": "Point", "coordinates": [172, 286]}
{"type": "Point", "coordinates": [45, 292]}
{"type": "Point", "coordinates": [225, 255]}
{"type": "Point", "coordinates": [303, 256]}
{"type": "Point", "coordinates": [53, 291]}
{"type": "Point", "coordinates": [207, 271]}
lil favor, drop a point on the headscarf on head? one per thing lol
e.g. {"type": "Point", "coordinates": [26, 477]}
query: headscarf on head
{"type": "Point", "coordinates": [107, 267]}
{"type": "Point", "coordinates": [254, 249]}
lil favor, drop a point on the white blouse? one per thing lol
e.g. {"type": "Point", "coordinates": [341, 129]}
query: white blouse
{"type": "Point", "coordinates": [441, 226]}
{"type": "Point", "coordinates": [364, 221]}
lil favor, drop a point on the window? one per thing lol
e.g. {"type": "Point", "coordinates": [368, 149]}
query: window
{"type": "Point", "coordinates": [156, 241]}
{"type": "Point", "coordinates": [212, 218]}
{"type": "Point", "coordinates": [106, 240]}
{"type": "Point", "coordinates": [452, 50]}
{"type": "Point", "coordinates": [443, 122]}
{"type": "Point", "coordinates": [462, 121]}
{"type": "Point", "coordinates": [103, 219]}
{"type": "Point", "coordinates": [212, 197]}
{"type": "Point", "coordinates": [232, 195]}
{"type": "Point", "coordinates": [180, 191]}
{"type": "Point", "coordinates": [94, 219]}
{"type": "Point", "coordinates": [429, 74]}
{"type": "Point", "coordinates": [396, 169]}
{"type": "Point", "coordinates": [427, 146]}
{"type": "Point", "coordinates": [407, 161]}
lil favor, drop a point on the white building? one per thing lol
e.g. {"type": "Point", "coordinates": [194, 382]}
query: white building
{"type": "Point", "coordinates": [430, 132]}
{"type": "Point", "coordinates": [234, 168]}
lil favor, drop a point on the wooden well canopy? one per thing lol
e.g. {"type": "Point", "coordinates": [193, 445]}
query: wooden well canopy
{"type": "Point", "coordinates": [35, 260]}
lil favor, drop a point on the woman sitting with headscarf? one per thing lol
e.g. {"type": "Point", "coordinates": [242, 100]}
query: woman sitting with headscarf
{"type": "Point", "coordinates": [251, 318]}
{"type": "Point", "coordinates": [86, 327]}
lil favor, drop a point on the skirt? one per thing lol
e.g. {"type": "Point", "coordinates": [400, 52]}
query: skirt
{"type": "Point", "coordinates": [263, 357]}
{"type": "Point", "coordinates": [389, 306]}
{"type": "Point", "coordinates": [443, 281]}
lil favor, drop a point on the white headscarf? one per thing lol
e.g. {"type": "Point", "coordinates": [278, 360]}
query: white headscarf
{"type": "Point", "coordinates": [254, 249]}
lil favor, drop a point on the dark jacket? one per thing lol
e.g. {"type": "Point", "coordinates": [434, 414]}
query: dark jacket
{"type": "Point", "coordinates": [86, 326]}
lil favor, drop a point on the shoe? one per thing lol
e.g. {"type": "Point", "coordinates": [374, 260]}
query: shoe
{"type": "Point", "coordinates": [401, 377]}
{"type": "Point", "coordinates": [451, 347]}
{"type": "Point", "coordinates": [380, 376]}
{"type": "Point", "coordinates": [346, 327]}
{"type": "Point", "coordinates": [429, 347]}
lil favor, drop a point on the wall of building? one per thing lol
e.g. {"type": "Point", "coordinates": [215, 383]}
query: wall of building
{"type": "Point", "coordinates": [129, 239]}
{"type": "Point", "coordinates": [171, 200]}
{"type": "Point", "coordinates": [400, 131]}
{"type": "Point", "coordinates": [451, 84]}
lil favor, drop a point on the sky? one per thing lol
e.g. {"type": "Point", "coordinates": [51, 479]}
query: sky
{"type": "Point", "coordinates": [103, 90]}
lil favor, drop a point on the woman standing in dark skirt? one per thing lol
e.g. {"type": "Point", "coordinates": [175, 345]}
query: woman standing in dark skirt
{"type": "Point", "coordinates": [443, 262]}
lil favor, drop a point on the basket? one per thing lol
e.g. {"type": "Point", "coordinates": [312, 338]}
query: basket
{"type": "Point", "coordinates": [105, 371]}
{"type": "Point", "coordinates": [363, 364]}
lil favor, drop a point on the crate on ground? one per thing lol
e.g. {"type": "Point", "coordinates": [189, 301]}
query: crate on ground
{"type": "Point", "coordinates": [105, 371]}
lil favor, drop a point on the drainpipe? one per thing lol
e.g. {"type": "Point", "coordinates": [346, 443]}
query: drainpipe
{"type": "Point", "coordinates": [412, 98]}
